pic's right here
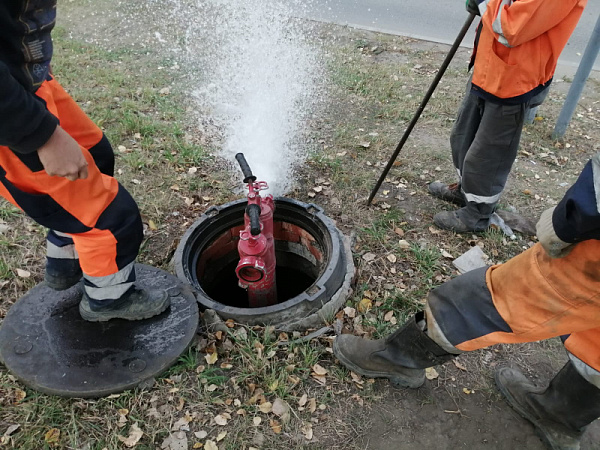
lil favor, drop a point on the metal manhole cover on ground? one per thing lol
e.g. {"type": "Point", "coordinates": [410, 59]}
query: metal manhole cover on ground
{"type": "Point", "coordinates": [47, 345]}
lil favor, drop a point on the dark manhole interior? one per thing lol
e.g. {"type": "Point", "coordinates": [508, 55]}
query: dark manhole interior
{"type": "Point", "coordinates": [300, 258]}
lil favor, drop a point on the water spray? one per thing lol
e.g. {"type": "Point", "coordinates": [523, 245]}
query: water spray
{"type": "Point", "coordinates": [256, 269]}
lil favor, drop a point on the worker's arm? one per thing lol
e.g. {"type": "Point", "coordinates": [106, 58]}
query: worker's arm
{"type": "Point", "coordinates": [27, 126]}
{"type": "Point", "coordinates": [577, 216]}
{"type": "Point", "coordinates": [25, 123]}
{"type": "Point", "coordinates": [516, 22]}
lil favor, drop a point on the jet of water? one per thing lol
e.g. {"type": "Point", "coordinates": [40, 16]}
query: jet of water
{"type": "Point", "coordinates": [256, 70]}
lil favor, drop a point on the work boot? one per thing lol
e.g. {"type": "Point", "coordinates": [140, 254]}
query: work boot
{"type": "Point", "coordinates": [400, 357]}
{"type": "Point", "coordinates": [559, 413]}
{"type": "Point", "coordinates": [451, 220]}
{"type": "Point", "coordinates": [61, 274]}
{"type": "Point", "coordinates": [447, 192]}
{"type": "Point", "coordinates": [136, 304]}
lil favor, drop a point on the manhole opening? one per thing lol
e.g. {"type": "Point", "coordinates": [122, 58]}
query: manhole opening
{"type": "Point", "coordinates": [299, 255]}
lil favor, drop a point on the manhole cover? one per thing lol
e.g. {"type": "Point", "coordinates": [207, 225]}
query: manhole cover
{"type": "Point", "coordinates": [47, 345]}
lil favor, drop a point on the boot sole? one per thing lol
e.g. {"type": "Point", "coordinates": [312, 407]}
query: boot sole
{"type": "Point", "coordinates": [525, 414]}
{"type": "Point", "coordinates": [92, 316]}
{"type": "Point", "coordinates": [395, 380]}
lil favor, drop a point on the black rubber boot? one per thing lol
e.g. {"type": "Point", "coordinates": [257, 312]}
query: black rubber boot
{"type": "Point", "coordinates": [136, 304]}
{"type": "Point", "coordinates": [61, 274]}
{"type": "Point", "coordinates": [559, 413]}
{"type": "Point", "coordinates": [447, 192]}
{"type": "Point", "coordinates": [400, 357]}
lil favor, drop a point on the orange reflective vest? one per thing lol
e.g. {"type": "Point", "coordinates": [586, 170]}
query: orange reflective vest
{"type": "Point", "coordinates": [520, 43]}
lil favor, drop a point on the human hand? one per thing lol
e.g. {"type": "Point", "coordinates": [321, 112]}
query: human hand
{"type": "Point", "coordinates": [61, 156]}
{"type": "Point", "coordinates": [472, 7]}
{"type": "Point", "coordinates": [554, 246]}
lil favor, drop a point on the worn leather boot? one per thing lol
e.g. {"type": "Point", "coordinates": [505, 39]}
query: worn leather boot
{"type": "Point", "coordinates": [400, 357]}
{"type": "Point", "coordinates": [559, 413]}
{"type": "Point", "coordinates": [136, 304]}
{"type": "Point", "coordinates": [447, 192]}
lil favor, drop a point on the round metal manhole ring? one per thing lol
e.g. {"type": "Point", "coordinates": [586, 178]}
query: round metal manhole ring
{"type": "Point", "coordinates": [221, 222]}
{"type": "Point", "coordinates": [47, 345]}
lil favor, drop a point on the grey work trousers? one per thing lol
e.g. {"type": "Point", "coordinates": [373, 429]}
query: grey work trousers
{"type": "Point", "coordinates": [484, 141]}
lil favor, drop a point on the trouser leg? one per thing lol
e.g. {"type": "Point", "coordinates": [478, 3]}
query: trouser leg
{"type": "Point", "coordinates": [489, 161]}
{"type": "Point", "coordinates": [529, 298]}
{"type": "Point", "coordinates": [97, 213]}
{"type": "Point", "coordinates": [465, 128]}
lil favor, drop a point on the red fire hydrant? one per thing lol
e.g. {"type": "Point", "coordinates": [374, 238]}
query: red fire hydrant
{"type": "Point", "coordinates": [256, 269]}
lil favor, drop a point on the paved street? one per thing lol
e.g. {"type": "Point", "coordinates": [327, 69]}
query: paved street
{"type": "Point", "coordinates": [434, 20]}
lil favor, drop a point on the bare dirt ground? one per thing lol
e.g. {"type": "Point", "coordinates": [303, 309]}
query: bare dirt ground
{"type": "Point", "coordinates": [375, 85]}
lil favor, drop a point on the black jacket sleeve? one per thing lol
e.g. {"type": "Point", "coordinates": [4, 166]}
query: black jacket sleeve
{"type": "Point", "coordinates": [577, 216]}
{"type": "Point", "coordinates": [25, 123]}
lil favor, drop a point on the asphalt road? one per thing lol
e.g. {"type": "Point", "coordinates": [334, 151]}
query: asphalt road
{"type": "Point", "coordinates": [432, 20]}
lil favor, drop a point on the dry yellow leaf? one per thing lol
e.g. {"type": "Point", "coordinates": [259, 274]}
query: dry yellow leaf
{"type": "Point", "coordinates": [265, 407]}
{"type": "Point", "coordinates": [211, 358]}
{"type": "Point", "coordinates": [275, 426]}
{"type": "Point", "coordinates": [52, 437]}
{"type": "Point", "coordinates": [364, 305]}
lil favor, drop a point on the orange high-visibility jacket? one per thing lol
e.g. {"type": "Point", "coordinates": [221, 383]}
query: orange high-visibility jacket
{"type": "Point", "coordinates": [520, 43]}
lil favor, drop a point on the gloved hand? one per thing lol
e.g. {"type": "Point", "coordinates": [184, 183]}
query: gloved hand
{"type": "Point", "coordinates": [554, 246]}
{"type": "Point", "coordinates": [472, 7]}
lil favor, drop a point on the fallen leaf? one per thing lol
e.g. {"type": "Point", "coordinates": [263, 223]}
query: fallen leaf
{"type": "Point", "coordinates": [135, 434]}
{"type": "Point", "coordinates": [388, 316]}
{"type": "Point", "coordinates": [201, 434]}
{"type": "Point", "coordinates": [307, 431]}
{"type": "Point", "coordinates": [431, 373]}
{"type": "Point", "coordinates": [391, 258]}
{"type": "Point", "coordinates": [265, 407]}
{"type": "Point", "coordinates": [23, 273]}
{"type": "Point", "coordinates": [211, 358]}
{"type": "Point", "coordinates": [312, 405]}
{"type": "Point", "coordinates": [281, 409]}
{"type": "Point", "coordinates": [52, 437]}
{"type": "Point", "coordinates": [211, 445]}
{"type": "Point", "coordinates": [221, 436]}
{"type": "Point", "coordinates": [152, 225]}
{"type": "Point", "coordinates": [364, 305]}
{"type": "Point", "coordinates": [356, 378]}
{"type": "Point", "coordinates": [459, 365]}
{"type": "Point", "coordinates": [230, 323]}
{"type": "Point", "coordinates": [350, 312]}
{"type": "Point", "coordinates": [275, 426]}
{"type": "Point", "coordinates": [369, 256]}
{"type": "Point", "coordinates": [445, 254]}
{"type": "Point", "coordinates": [404, 245]}
{"type": "Point", "coordinates": [303, 400]}
{"type": "Point", "coordinates": [399, 231]}
{"type": "Point", "coordinates": [220, 420]}
{"type": "Point", "coordinates": [319, 370]}
{"type": "Point", "coordinates": [256, 421]}
{"type": "Point", "coordinates": [467, 391]}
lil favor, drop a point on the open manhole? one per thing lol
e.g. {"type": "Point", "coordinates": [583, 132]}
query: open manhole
{"type": "Point", "coordinates": [314, 266]}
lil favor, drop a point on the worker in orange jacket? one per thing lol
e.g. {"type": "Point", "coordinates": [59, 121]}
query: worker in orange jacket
{"type": "Point", "coordinates": [516, 50]}
{"type": "Point", "coordinates": [57, 166]}
{"type": "Point", "coordinates": [550, 290]}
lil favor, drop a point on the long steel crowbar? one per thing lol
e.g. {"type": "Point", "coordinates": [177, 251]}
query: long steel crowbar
{"type": "Point", "coordinates": [413, 122]}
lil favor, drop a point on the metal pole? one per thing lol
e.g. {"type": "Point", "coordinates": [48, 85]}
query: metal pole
{"type": "Point", "coordinates": [581, 76]}
{"type": "Point", "coordinates": [413, 122]}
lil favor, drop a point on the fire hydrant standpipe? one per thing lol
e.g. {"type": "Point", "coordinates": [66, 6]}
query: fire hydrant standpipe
{"type": "Point", "coordinates": [256, 268]}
